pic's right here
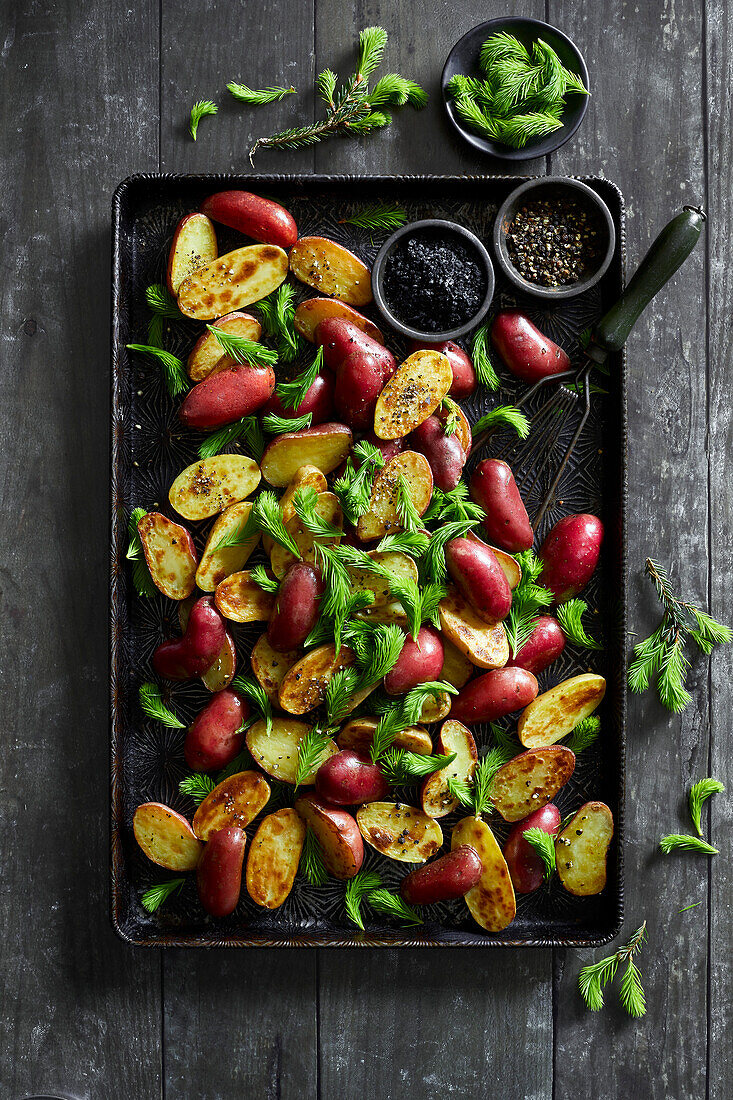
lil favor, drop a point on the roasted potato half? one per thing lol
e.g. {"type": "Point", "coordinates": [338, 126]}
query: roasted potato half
{"type": "Point", "coordinates": [399, 832]}
{"type": "Point", "coordinates": [241, 600]}
{"type": "Point", "coordinates": [358, 734]}
{"type": "Point", "coordinates": [531, 780]}
{"type": "Point", "coordinates": [485, 646]}
{"type": "Point", "coordinates": [274, 856]}
{"type": "Point", "coordinates": [331, 269]}
{"type": "Point", "coordinates": [276, 752]}
{"type": "Point", "coordinates": [170, 555]}
{"type": "Point", "coordinates": [207, 351]}
{"type": "Point", "coordinates": [325, 447]}
{"type": "Point", "coordinates": [234, 802]}
{"type": "Point", "coordinates": [454, 737]}
{"type": "Point", "coordinates": [166, 837]}
{"type": "Point", "coordinates": [207, 487]}
{"type": "Point", "coordinates": [309, 315]}
{"type": "Point", "coordinates": [215, 564]}
{"type": "Point", "coordinates": [269, 667]}
{"type": "Point", "coordinates": [329, 509]}
{"type": "Point", "coordinates": [582, 847]}
{"type": "Point", "coordinates": [336, 832]}
{"type": "Point", "coordinates": [491, 902]}
{"type": "Point", "coordinates": [457, 669]}
{"type": "Point", "coordinates": [555, 713]}
{"type": "Point", "coordinates": [193, 246]}
{"type": "Point", "coordinates": [413, 392]}
{"type": "Point", "coordinates": [233, 281]}
{"type": "Point", "coordinates": [304, 685]}
{"type": "Point", "coordinates": [399, 566]}
{"type": "Point", "coordinates": [383, 516]}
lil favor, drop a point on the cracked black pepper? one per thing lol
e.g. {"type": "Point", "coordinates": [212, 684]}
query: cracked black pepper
{"type": "Point", "coordinates": [554, 244]}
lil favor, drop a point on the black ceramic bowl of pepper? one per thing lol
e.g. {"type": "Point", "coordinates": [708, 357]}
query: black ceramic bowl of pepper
{"type": "Point", "coordinates": [554, 237]}
{"type": "Point", "coordinates": [433, 280]}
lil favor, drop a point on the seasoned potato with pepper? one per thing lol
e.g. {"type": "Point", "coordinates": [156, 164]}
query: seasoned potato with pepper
{"type": "Point", "coordinates": [276, 752]}
{"type": "Point", "coordinates": [359, 733]}
{"type": "Point", "coordinates": [166, 837]}
{"type": "Point", "coordinates": [233, 281]}
{"type": "Point", "coordinates": [331, 269]}
{"type": "Point", "coordinates": [531, 780]}
{"type": "Point", "coordinates": [328, 509]}
{"type": "Point", "coordinates": [491, 901]}
{"type": "Point", "coordinates": [412, 393]}
{"type": "Point", "coordinates": [336, 832]}
{"type": "Point", "coordinates": [399, 832]}
{"type": "Point", "coordinates": [193, 246]}
{"type": "Point", "coordinates": [207, 352]}
{"type": "Point", "coordinates": [235, 801]}
{"type": "Point", "coordinates": [207, 487]}
{"type": "Point", "coordinates": [274, 856]}
{"type": "Point", "coordinates": [240, 599]}
{"type": "Point", "coordinates": [383, 515]}
{"type": "Point", "coordinates": [555, 713]}
{"type": "Point", "coordinates": [454, 738]}
{"type": "Point", "coordinates": [582, 847]}
{"type": "Point", "coordinates": [304, 685]}
{"type": "Point", "coordinates": [309, 315]}
{"type": "Point", "coordinates": [269, 667]}
{"type": "Point", "coordinates": [485, 646]}
{"type": "Point", "coordinates": [170, 555]}
{"type": "Point", "coordinates": [325, 446]}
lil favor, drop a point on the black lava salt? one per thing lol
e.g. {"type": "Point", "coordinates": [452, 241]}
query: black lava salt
{"type": "Point", "coordinates": [433, 282]}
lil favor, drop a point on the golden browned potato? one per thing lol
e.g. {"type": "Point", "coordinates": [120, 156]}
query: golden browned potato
{"type": "Point", "coordinates": [233, 281]}
{"type": "Point", "coordinates": [309, 315]}
{"type": "Point", "coordinates": [207, 351]}
{"type": "Point", "coordinates": [166, 837]}
{"type": "Point", "coordinates": [399, 832]}
{"type": "Point", "coordinates": [332, 269]}
{"type": "Point", "coordinates": [216, 565]}
{"type": "Point", "coordinates": [221, 673]}
{"type": "Point", "coordinates": [170, 555]}
{"type": "Point", "coordinates": [485, 646]}
{"type": "Point", "coordinates": [383, 516]}
{"type": "Point", "coordinates": [304, 685]}
{"type": "Point", "coordinates": [325, 447]}
{"type": "Point", "coordinates": [457, 669]}
{"type": "Point", "coordinates": [276, 752]}
{"type": "Point", "coordinates": [274, 856]}
{"type": "Point", "coordinates": [555, 713]}
{"type": "Point", "coordinates": [491, 902]}
{"type": "Point", "coordinates": [399, 566]}
{"type": "Point", "coordinates": [336, 832]}
{"type": "Point", "coordinates": [240, 599]}
{"type": "Point", "coordinates": [234, 802]}
{"type": "Point", "coordinates": [329, 509]}
{"type": "Point", "coordinates": [436, 708]}
{"type": "Point", "coordinates": [454, 737]}
{"type": "Point", "coordinates": [358, 734]}
{"type": "Point", "coordinates": [269, 666]}
{"type": "Point", "coordinates": [194, 244]}
{"type": "Point", "coordinates": [581, 849]}
{"type": "Point", "coordinates": [531, 780]}
{"type": "Point", "coordinates": [207, 487]}
{"type": "Point", "coordinates": [413, 392]}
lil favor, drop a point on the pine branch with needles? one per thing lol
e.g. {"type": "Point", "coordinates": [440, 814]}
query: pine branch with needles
{"type": "Point", "coordinates": [593, 978]}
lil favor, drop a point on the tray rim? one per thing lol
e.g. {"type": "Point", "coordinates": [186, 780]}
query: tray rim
{"type": "Point", "coordinates": [117, 863]}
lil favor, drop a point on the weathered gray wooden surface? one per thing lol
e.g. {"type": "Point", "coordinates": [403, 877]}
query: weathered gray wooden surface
{"type": "Point", "coordinates": [92, 93]}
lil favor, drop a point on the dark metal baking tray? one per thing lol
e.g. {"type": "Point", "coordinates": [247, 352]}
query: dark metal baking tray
{"type": "Point", "coordinates": [149, 448]}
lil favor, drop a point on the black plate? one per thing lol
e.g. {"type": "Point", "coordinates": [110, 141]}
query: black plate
{"type": "Point", "coordinates": [149, 448]}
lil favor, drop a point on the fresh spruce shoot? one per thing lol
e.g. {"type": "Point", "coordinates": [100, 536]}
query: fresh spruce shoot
{"type": "Point", "coordinates": [388, 904]}
{"type": "Point", "coordinates": [378, 217]}
{"type": "Point", "coordinates": [200, 110]}
{"type": "Point", "coordinates": [404, 712]}
{"type": "Point", "coordinates": [246, 433]}
{"type": "Point", "coordinates": [161, 302]}
{"type": "Point", "coordinates": [356, 888]}
{"type": "Point", "coordinates": [503, 416]}
{"type": "Point", "coordinates": [277, 425]}
{"type": "Point", "coordinates": [570, 617]}
{"type": "Point", "coordinates": [475, 794]}
{"type": "Point", "coordinates": [312, 866]}
{"type": "Point", "coordinates": [197, 786]}
{"type": "Point", "coordinates": [155, 896]}
{"type": "Point", "coordinates": [257, 697]}
{"type": "Point", "coordinates": [257, 97]}
{"type": "Point", "coordinates": [593, 978]}
{"type": "Point", "coordinates": [584, 734]}
{"type": "Point", "coordinates": [243, 351]}
{"type": "Point", "coordinates": [311, 753]}
{"type": "Point", "coordinates": [278, 313]}
{"type": "Point", "coordinates": [683, 842]}
{"type": "Point", "coordinates": [141, 578]}
{"type": "Point", "coordinates": [352, 110]}
{"type": "Point", "coordinates": [174, 371]}
{"type": "Point", "coordinates": [528, 599]}
{"type": "Point", "coordinates": [367, 885]}
{"type": "Point", "coordinates": [700, 792]}
{"type": "Point", "coordinates": [292, 393]}
{"type": "Point", "coordinates": [544, 845]}
{"type": "Point", "coordinates": [662, 654]}
{"type": "Point", "coordinates": [403, 768]}
{"type": "Point", "coordinates": [485, 371]}
{"type": "Point", "coordinates": [151, 702]}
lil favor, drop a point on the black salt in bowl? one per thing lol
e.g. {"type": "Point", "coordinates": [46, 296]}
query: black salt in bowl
{"type": "Point", "coordinates": [433, 280]}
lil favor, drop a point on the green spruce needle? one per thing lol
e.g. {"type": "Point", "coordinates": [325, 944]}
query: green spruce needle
{"type": "Point", "coordinates": [593, 978]}
{"type": "Point", "coordinates": [485, 373]}
{"type": "Point", "coordinates": [503, 416]}
{"type": "Point", "coordinates": [678, 842]}
{"type": "Point", "coordinates": [161, 302]}
{"type": "Point", "coordinates": [388, 904]}
{"type": "Point", "coordinates": [151, 701]}
{"type": "Point", "coordinates": [292, 393]}
{"type": "Point", "coordinates": [257, 97]}
{"type": "Point", "coordinates": [141, 578]}
{"type": "Point", "coordinates": [569, 616]}
{"type": "Point", "coordinates": [544, 845]}
{"type": "Point", "coordinates": [153, 898]}
{"type": "Point", "coordinates": [378, 217]}
{"type": "Point", "coordinates": [257, 697]}
{"type": "Point", "coordinates": [277, 425]}
{"type": "Point", "coordinates": [312, 866]}
{"type": "Point", "coordinates": [174, 371]}
{"type": "Point", "coordinates": [197, 786]}
{"type": "Point", "coordinates": [247, 431]}
{"type": "Point", "coordinates": [200, 110]}
{"type": "Point", "coordinates": [241, 350]}
{"type": "Point", "coordinates": [700, 792]}
{"type": "Point", "coordinates": [584, 734]}
{"type": "Point", "coordinates": [311, 753]}
{"type": "Point", "coordinates": [363, 883]}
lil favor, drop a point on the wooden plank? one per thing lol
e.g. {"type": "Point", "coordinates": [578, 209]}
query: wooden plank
{"type": "Point", "coordinates": [412, 1023]}
{"type": "Point", "coordinates": [646, 134]}
{"type": "Point", "coordinates": [269, 1020]}
{"type": "Point", "coordinates": [78, 112]}
{"type": "Point", "coordinates": [718, 34]}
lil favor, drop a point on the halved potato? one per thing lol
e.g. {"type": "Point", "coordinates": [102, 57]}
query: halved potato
{"type": "Point", "coordinates": [485, 646]}
{"type": "Point", "coordinates": [463, 428]}
{"type": "Point", "coordinates": [399, 566]}
{"type": "Point", "coordinates": [552, 715]}
{"type": "Point", "coordinates": [276, 752]}
{"type": "Point", "coordinates": [531, 780]}
{"type": "Point", "coordinates": [274, 856]}
{"type": "Point", "coordinates": [241, 600]}
{"type": "Point", "coordinates": [358, 734]}
{"type": "Point", "coordinates": [215, 564]}
{"type": "Point", "coordinates": [304, 685]}
{"type": "Point", "coordinates": [309, 315]}
{"type": "Point", "coordinates": [434, 797]}
{"type": "Point", "coordinates": [221, 673]}
{"type": "Point", "coordinates": [392, 612]}
{"type": "Point", "coordinates": [436, 708]}
{"type": "Point", "coordinates": [207, 487]}
{"type": "Point", "coordinates": [329, 509]}
{"type": "Point", "coordinates": [207, 351]}
{"type": "Point", "coordinates": [457, 669]}
{"type": "Point", "coordinates": [383, 517]}
{"type": "Point", "coordinates": [166, 837]}
{"type": "Point", "coordinates": [307, 477]}
{"type": "Point", "coordinates": [234, 802]}
{"type": "Point", "coordinates": [336, 832]}
{"type": "Point", "coordinates": [270, 667]}
{"type": "Point", "coordinates": [325, 447]}
{"type": "Point", "coordinates": [332, 269]}
{"type": "Point", "coordinates": [399, 832]}
{"type": "Point", "coordinates": [509, 565]}
{"type": "Point", "coordinates": [491, 902]}
{"type": "Point", "coordinates": [170, 555]}
{"type": "Point", "coordinates": [193, 246]}
{"type": "Point", "coordinates": [233, 281]}
{"type": "Point", "coordinates": [413, 392]}
{"type": "Point", "coordinates": [582, 847]}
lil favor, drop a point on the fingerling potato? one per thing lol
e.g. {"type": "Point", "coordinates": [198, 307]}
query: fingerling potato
{"type": "Point", "coordinates": [296, 607]}
{"type": "Point", "coordinates": [217, 564]}
{"type": "Point", "coordinates": [448, 876]}
{"type": "Point", "coordinates": [485, 646]}
{"type": "Point", "coordinates": [525, 864]}
{"type": "Point", "coordinates": [233, 281]}
{"type": "Point", "coordinates": [259, 218]}
{"type": "Point", "coordinates": [166, 837]}
{"type": "Point", "coordinates": [445, 453]}
{"type": "Point", "coordinates": [349, 779]}
{"type": "Point", "coordinates": [457, 669]}
{"type": "Point", "coordinates": [555, 713]}
{"type": "Point", "coordinates": [220, 674]}
{"type": "Point", "coordinates": [399, 832]}
{"type": "Point", "coordinates": [491, 902]}
{"type": "Point", "coordinates": [276, 752]}
{"type": "Point", "coordinates": [494, 489]}
{"type": "Point", "coordinates": [399, 566]}
{"type": "Point", "coordinates": [543, 646]}
{"type": "Point", "coordinates": [475, 570]}
{"type": "Point", "coordinates": [309, 315]}
{"type": "Point", "coordinates": [358, 734]}
{"type": "Point", "coordinates": [240, 599]}
{"type": "Point", "coordinates": [336, 832]}
{"type": "Point", "coordinates": [329, 509]}
{"type": "Point", "coordinates": [569, 555]}
{"type": "Point", "coordinates": [498, 692]}
{"type": "Point", "coordinates": [273, 859]}
{"type": "Point", "coordinates": [464, 376]}
{"type": "Point", "coordinates": [207, 352]}
{"type": "Point", "coordinates": [269, 667]}
{"type": "Point", "coordinates": [435, 798]}
{"type": "Point", "coordinates": [227, 394]}
{"type": "Point", "coordinates": [304, 685]}
{"type": "Point", "coordinates": [207, 487]}
{"type": "Point", "coordinates": [216, 736]}
{"type": "Point", "coordinates": [170, 555]}
{"type": "Point", "coordinates": [420, 661]}
{"type": "Point", "coordinates": [193, 246]}
{"type": "Point", "coordinates": [412, 393]}
{"type": "Point", "coordinates": [383, 516]}
{"type": "Point", "coordinates": [219, 873]}
{"type": "Point", "coordinates": [331, 269]}
{"type": "Point", "coordinates": [581, 849]}
{"type": "Point", "coordinates": [531, 780]}
{"type": "Point", "coordinates": [194, 653]}
{"type": "Point", "coordinates": [235, 801]}
{"type": "Point", "coordinates": [436, 707]}
{"type": "Point", "coordinates": [527, 352]}
{"type": "Point", "coordinates": [325, 447]}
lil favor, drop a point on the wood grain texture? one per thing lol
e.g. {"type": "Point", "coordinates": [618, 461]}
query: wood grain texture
{"type": "Point", "coordinates": [79, 1013]}
{"type": "Point", "coordinates": [646, 133]}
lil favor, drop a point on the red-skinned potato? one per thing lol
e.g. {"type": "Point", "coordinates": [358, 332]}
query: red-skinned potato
{"type": "Point", "coordinates": [524, 350]}
{"type": "Point", "coordinates": [261, 219]}
{"type": "Point", "coordinates": [331, 269]}
{"type": "Point", "coordinates": [170, 555]}
{"type": "Point", "coordinates": [193, 246]}
{"type": "Point", "coordinates": [215, 736]}
{"type": "Point", "coordinates": [220, 673]}
{"type": "Point", "coordinates": [349, 779]}
{"type": "Point", "coordinates": [464, 376]}
{"type": "Point", "coordinates": [420, 661]}
{"type": "Point", "coordinates": [507, 524]}
{"type": "Point", "coordinates": [544, 645]}
{"type": "Point", "coordinates": [207, 351]}
{"type": "Point", "coordinates": [219, 873]}
{"type": "Point", "coordinates": [359, 382]}
{"type": "Point", "coordinates": [318, 401]}
{"type": "Point", "coordinates": [477, 574]}
{"type": "Point", "coordinates": [166, 837]}
{"type": "Point", "coordinates": [388, 447]}
{"type": "Point", "coordinates": [192, 654]}
{"type": "Point", "coordinates": [509, 565]}
{"type": "Point", "coordinates": [233, 281]}
{"type": "Point", "coordinates": [340, 338]}
{"type": "Point", "coordinates": [449, 876]}
{"type": "Point", "coordinates": [336, 832]}
{"type": "Point", "coordinates": [444, 452]}
{"type": "Point", "coordinates": [569, 555]}
{"type": "Point", "coordinates": [309, 315]}
{"type": "Point", "coordinates": [525, 865]}
{"type": "Point", "coordinates": [227, 395]}
{"type": "Point", "coordinates": [498, 692]}
{"type": "Point", "coordinates": [296, 607]}
{"type": "Point", "coordinates": [325, 447]}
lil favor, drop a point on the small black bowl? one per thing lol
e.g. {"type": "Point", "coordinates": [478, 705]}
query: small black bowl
{"type": "Point", "coordinates": [447, 228]}
{"type": "Point", "coordinates": [463, 59]}
{"type": "Point", "coordinates": [554, 187]}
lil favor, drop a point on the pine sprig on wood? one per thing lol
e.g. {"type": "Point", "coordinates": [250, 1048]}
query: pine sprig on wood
{"type": "Point", "coordinates": [593, 978]}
